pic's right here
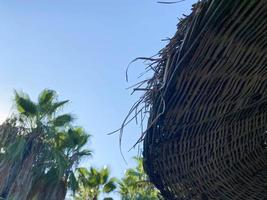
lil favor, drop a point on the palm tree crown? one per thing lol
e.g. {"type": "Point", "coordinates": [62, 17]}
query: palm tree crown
{"type": "Point", "coordinates": [135, 185]}
{"type": "Point", "coordinates": [92, 182]}
{"type": "Point", "coordinates": [46, 144]}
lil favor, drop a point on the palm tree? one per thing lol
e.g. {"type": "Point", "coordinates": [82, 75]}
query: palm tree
{"type": "Point", "coordinates": [135, 185]}
{"type": "Point", "coordinates": [92, 182]}
{"type": "Point", "coordinates": [41, 150]}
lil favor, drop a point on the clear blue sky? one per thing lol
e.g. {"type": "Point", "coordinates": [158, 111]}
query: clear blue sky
{"type": "Point", "coordinates": [81, 48]}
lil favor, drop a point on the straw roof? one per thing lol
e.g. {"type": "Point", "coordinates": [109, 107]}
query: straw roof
{"type": "Point", "coordinates": [206, 136]}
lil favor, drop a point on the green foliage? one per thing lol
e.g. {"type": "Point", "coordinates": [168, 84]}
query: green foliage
{"type": "Point", "coordinates": [24, 105]}
{"type": "Point", "coordinates": [46, 97]}
{"type": "Point", "coordinates": [109, 186]}
{"type": "Point", "coordinates": [42, 113]}
{"type": "Point", "coordinates": [73, 182]}
{"type": "Point", "coordinates": [135, 185]}
{"type": "Point", "coordinates": [55, 145]}
{"type": "Point", "coordinates": [62, 120]}
{"type": "Point", "coordinates": [92, 182]}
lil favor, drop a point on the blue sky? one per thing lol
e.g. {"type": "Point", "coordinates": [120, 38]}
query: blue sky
{"type": "Point", "coordinates": [81, 48]}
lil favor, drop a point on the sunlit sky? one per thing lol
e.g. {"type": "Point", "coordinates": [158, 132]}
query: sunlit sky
{"type": "Point", "coordinates": [81, 48]}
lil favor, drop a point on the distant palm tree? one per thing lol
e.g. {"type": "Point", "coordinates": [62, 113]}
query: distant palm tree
{"type": "Point", "coordinates": [135, 185]}
{"type": "Point", "coordinates": [92, 182]}
{"type": "Point", "coordinates": [40, 149]}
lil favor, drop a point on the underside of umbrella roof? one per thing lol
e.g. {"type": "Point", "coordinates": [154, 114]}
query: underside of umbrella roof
{"type": "Point", "coordinates": [206, 135]}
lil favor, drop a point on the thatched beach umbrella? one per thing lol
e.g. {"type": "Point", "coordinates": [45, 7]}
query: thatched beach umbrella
{"type": "Point", "coordinates": [206, 136]}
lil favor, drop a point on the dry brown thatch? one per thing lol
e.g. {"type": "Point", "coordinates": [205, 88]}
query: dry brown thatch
{"type": "Point", "coordinates": [206, 136]}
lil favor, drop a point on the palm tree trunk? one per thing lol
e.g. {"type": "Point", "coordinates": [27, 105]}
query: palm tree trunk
{"type": "Point", "coordinates": [23, 182]}
{"type": "Point", "coordinates": [48, 191]}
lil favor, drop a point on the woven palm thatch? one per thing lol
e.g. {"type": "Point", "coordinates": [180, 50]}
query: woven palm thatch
{"type": "Point", "coordinates": [206, 136]}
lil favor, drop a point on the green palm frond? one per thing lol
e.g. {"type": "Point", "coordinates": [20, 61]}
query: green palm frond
{"type": "Point", "coordinates": [83, 171]}
{"type": "Point", "coordinates": [60, 140]}
{"type": "Point", "coordinates": [109, 187]}
{"type": "Point", "coordinates": [133, 173]}
{"type": "Point", "coordinates": [60, 163]}
{"type": "Point", "coordinates": [24, 104]}
{"type": "Point", "coordinates": [104, 175]}
{"type": "Point", "coordinates": [85, 152]}
{"type": "Point", "coordinates": [77, 137]}
{"type": "Point", "coordinates": [80, 137]}
{"type": "Point", "coordinates": [45, 102]}
{"type": "Point", "coordinates": [73, 138]}
{"type": "Point", "coordinates": [94, 181]}
{"type": "Point", "coordinates": [73, 183]}
{"type": "Point", "coordinates": [62, 120]}
{"type": "Point", "coordinates": [56, 106]}
{"type": "Point", "coordinates": [135, 184]}
{"type": "Point", "coordinates": [47, 97]}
